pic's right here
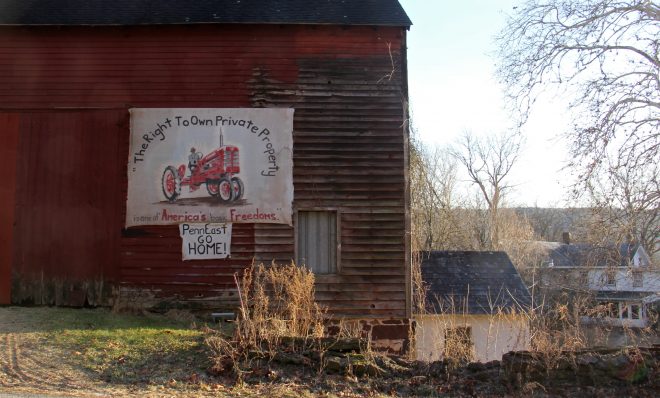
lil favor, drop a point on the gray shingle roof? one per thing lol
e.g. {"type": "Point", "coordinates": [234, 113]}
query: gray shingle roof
{"type": "Point", "coordinates": [157, 12]}
{"type": "Point", "coordinates": [585, 254]}
{"type": "Point", "coordinates": [471, 282]}
{"type": "Point", "coordinates": [621, 295]}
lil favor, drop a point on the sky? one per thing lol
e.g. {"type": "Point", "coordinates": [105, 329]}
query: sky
{"type": "Point", "coordinates": [453, 88]}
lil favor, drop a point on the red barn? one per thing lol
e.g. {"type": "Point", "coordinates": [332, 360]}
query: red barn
{"type": "Point", "coordinates": [71, 70]}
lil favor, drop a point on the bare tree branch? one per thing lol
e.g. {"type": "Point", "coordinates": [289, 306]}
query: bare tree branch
{"type": "Point", "coordinates": [607, 51]}
{"type": "Point", "coordinates": [488, 162]}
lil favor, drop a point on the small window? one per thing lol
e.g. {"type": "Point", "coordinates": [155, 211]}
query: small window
{"type": "Point", "coordinates": [458, 344]}
{"type": "Point", "coordinates": [634, 311]}
{"type": "Point", "coordinates": [608, 310]}
{"type": "Point", "coordinates": [638, 279]}
{"type": "Point", "coordinates": [624, 311]}
{"type": "Point", "coordinates": [317, 240]}
{"type": "Point", "coordinates": [610, 278]}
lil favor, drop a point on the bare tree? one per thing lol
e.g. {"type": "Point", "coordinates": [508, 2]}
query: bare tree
{"type": "Point", "coordinates": [609, 50]}
{"type": "Point", "coordinates": [626, 208]}
{"type": "Point", "coordinates": [488, 163]}
{"type": "Point", "coordinates": [433, 199]}
{"type": "Point", "coordinates": [604, 54]}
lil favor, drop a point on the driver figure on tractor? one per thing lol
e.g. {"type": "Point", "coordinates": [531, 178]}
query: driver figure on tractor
{"type": "Point", "coordinates": [193, 159]}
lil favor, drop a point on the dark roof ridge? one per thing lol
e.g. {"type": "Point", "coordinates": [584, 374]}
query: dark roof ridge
{"type": "Point", "coordinates": [175, 12]}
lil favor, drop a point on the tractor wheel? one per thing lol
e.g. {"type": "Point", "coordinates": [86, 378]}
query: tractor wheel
{"type": "Point", "coordinates": [237, 186]}
{"type": "Point", "coordinates": [225, 191]}
{"type": "Point", "coordinates": [212, 188]}
{"type": "Point", "coordinates": [171, 183]}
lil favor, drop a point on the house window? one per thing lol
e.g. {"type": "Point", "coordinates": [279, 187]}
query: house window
{"type": "Point", "coordinates": [609, 310]}
{"type": "Point", "coordinates": [317, 240]}
{"type": "Point", "coordinates": [635, 311]}
{"type": "Point", "coordinates": [458, 344]}
{"type": "Point", "coordinates": [624, 311]}
{"type": "Point", "coordinates": [610, 278]}
{"type": "Point", "coordinates": [638, 279]}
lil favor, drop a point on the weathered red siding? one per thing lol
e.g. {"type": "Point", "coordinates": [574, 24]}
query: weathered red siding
{"type": "Point", "coordinates": [9, 129]}
{"type": "Point", "coordinates": [67, 206]}
{"type": "Point", "coordinates": [347, 85]}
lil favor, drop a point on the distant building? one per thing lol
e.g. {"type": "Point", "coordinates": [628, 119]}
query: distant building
{"type": "Point", "coordinates": [621, 278]}
{"type": "Point", "coordinates": [476, 307]}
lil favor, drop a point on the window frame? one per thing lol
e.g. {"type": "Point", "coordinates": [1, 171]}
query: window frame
{"type": "Point", "coordinates": [296, 230]}
{"type": "Point", "coordinates": [464, 336]}
{"type": "Point", "coordinates": [635, 311]}
{"type": "Point", "coordinates": [610, 278]}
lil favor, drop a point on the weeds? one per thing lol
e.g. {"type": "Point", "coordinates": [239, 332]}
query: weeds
{"type": "Point", "coordinates": [278, 318]}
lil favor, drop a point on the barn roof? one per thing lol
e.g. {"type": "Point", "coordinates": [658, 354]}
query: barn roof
{"type": "Point", "coordinates": [471, 282]}
{"type": "Point", "coordinates": [167, 12]}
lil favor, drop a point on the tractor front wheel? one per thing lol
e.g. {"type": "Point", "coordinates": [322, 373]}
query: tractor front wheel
{"type": "Point", "coordinates": [225, 191]}
{"type": "Point", "coordinates": [212, 188]}
{"type": "Point", "coordinates": [171, 183]}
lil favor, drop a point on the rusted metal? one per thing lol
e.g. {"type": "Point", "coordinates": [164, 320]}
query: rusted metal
{"type": "Point", "coordinates": [348, 91]}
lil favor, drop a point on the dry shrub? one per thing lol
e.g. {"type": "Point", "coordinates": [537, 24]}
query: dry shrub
{"type": "Point", "coordinates": [278, 301]}
{"type": "Point", "coordinates": [419, 289]}
{"type": "Point", "coordinates": [277, 308]}
{"type": "Point", "coordinates": [557, 330]}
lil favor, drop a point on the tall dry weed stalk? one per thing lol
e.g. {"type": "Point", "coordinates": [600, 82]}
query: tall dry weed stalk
{"type": "Point", "coordinates": [278, 301]}
{"type": "Point", "coordinates": [276, 306]}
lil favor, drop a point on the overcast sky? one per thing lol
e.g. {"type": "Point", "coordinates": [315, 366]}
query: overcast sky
{"type": "Point", "coordinates": [452, 88]}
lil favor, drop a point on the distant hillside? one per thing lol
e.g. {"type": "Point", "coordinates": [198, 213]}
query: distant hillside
{"type": "Point", "coordinates": [550, 223]}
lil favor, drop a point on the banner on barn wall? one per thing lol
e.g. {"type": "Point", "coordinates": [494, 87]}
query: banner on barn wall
{"type": "Point", "coordinates": [210, 166]}
{"type": "Point", "coordinates": [205, 241]}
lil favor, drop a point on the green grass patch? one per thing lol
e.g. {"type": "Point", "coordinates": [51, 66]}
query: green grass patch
{"type": "Point", "coordinates": [128, 348]}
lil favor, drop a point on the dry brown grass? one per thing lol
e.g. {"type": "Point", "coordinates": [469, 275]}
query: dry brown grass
{"type": "Point", "coordinates": [277, 309]}
{"type": "Point", "coordinates": [278, 301]}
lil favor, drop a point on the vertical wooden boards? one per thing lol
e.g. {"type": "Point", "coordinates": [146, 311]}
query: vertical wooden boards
{"type": "Point", "coordinates": [9, 124]}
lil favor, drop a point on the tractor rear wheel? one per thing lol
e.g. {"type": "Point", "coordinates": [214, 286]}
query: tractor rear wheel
{"type": "Point", "coordinates": [237, 186]}
{"type": "Point", "coordinates": [171, 183]}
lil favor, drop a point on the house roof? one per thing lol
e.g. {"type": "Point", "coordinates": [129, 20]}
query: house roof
{"type": "Point", "coordinates": [471, 282]}
{"type": "Point", "coordinates": [159, 12]}
{"type": "Point", "coordinates": [585, 254]}
{"type": "Point", "coordinates": [621, 295]}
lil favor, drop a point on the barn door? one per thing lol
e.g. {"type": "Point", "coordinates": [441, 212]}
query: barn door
{"type": "Point", "coordinates": [68, 206]}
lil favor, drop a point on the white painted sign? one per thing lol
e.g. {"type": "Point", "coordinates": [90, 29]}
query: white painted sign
{"type": "Point", "coordinates": [205, 241]}
{"type": "Point", "coordinates": [210, 165]}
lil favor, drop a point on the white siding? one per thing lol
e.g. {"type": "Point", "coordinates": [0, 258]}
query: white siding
{"type": "Point", "coordinates": [492, 335]}
{"type": "Point", "coordinates": [624, 279]}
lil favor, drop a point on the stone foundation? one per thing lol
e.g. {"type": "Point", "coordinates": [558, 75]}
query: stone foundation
{"type": "Point", "coordinates": [391, 335]}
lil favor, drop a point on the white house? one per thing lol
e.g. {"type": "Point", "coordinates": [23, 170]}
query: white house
{"type": "Point", "coordinates": [476, 306]}
{"type": "Point", "coordinates": [623, 279]}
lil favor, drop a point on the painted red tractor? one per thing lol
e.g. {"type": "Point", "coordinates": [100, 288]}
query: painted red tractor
{"type": "Point", "coordinates": [217, 170]}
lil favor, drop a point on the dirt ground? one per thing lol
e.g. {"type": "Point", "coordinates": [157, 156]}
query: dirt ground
{"type": "Point", "coordinates": [30, 363]}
